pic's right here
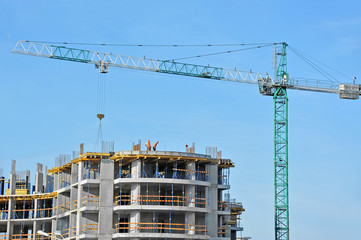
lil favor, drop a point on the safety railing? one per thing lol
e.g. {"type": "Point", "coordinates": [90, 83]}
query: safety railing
{"type": "Point", "coordinates": [2, 236]}
{"type": "Point", "coordinates": [222, 179]}
{"type": "Point", "coordinates": [42, 237]}
{"type": "Point", "coordinates": [122, 174]}
{"type": "Point", "coordinates": [222, 231]}
{"type": "Point", "coordinates": [23, 213]}
{"type": "Point", "coordinates": [4, 215]}
{"type": "Point", "coordinates": [20, 185]}
{"type": "Point", "coordinates": [125, 227]}
{"type": "Point", "coordinates": [202, 175]}
{"type": "Point", "coordinates": [22, 236]}
{"type": "Point", "coordinates": [223, 205]}
{"type": "Point", "coordinates": [65, 233]}
{"type": "Point", "coordinates": [65, 207]}
{"type": "Point", "coordinates": [65, 181]}
{"type": "Point", "coordinates": [73, 231]}
{"type": "Point", "coordinates": [160, 200]}
{"type": "Point", "coordinates": [180, 173]}
{"type": "Point", "coordinates": [91, 173]}
{"type": "Point", "coordinates": [90, 201]}
{"type": "Point", "coordinates": [44, 212]}
{"type": "Point", "coordinates": [90, 228]}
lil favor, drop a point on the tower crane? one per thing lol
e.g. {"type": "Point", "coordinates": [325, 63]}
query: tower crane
{"type": "Point", "coordinates": [275, 87]}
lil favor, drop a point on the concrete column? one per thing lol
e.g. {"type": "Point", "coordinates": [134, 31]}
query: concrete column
{"type": "Point", "coordinates": [54, 225]}
{"type": "Point", "coordinates": [12, 178]}
{"type": "Point", "coordinates": [56, 177]}
{"type": "Point", "coordinates": [35, 229]}
{"type": "Point", "coordinates": [74, 173]}
{"type": "Point", "coordinates": [136, 170]}
{"type": "Point", "coordinates": [134, 219]}
{"type": "Point", "coordinates": [191, 221]}
{"type": "Point", "coordinates": [80, 195]}
{"type": "Point", "coordinates": [190, 195]}
{"type": "Point", "coordinates": [27, 181]}
{"type": "Point", "coordinates": [73, 198]}
{"type": "Point", "coordinates": [36, 223]}
{"type": "Point", "coordinates": [39, 179]}
{"type": "Point", "coordinates": [135, 193]}
{"type": "Point", "coordinates": [190, 189]}
{"type": "Point", "coordinates": [212, 197]}
{"type": "Point", "coordinates": [106, 198]}
{"type": "Point", "coordinates": [191, 168]}
{"type": "Point", "coordinates": [54, 221]}
{"type": "Point", "coordinates": [38, 189]}
{"type": "Point", "coordinates": [11, 206]}
{"type": "Point", "coordinates": [9, 229]}
{"type": "Point", "coordinates": [72, 222]}
{"type": "Point", "coordinates": [46, 179]}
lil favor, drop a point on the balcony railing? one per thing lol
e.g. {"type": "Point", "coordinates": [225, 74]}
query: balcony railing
{"type": "Point", "coordinates": [65, 181]}
{"type": "Point", "coordinates": [42, 237]}
{"type": "Point", "coordinates": [23, 213]}
{"type": "Point", "coordinates": [222, 231]}
{"type": "Point", "coordinates": [22, 236]}
{"type": "Point", "coordinates": [223, 205]}
{"type": "Point", "coordinates": [90, 228]}
{"type": "Point", "coordinates": [181, 228]}
{"type": "Point", "coordinates": [4, 215]}
{"type": "Point", "coordinates": [64, 207]}
{"type": "Point", "coordinates": [160, 200]}
{"type": "Point", "coordinates": [44, 212]}
{"type": "Point", "coordinates": [90, 201]}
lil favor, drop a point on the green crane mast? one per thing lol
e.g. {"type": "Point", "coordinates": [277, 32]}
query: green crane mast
{"type": "Point", "coordinates": [281, 149]}
{"type": "Point", "coordinates": [267, 86]}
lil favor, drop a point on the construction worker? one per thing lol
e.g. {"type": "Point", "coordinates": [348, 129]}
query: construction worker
{"type": "Point", "coordinates": [149, 147]}
{"type": "Point", "coordinates": [155, 146]}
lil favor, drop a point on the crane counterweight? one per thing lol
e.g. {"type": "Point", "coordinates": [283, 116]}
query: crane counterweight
{"type": "Point", "coordinates": [349, 91]}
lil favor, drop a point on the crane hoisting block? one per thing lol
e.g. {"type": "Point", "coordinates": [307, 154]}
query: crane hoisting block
{"type": "Point", "coordinates": [100, 116]}
{"type": "Point", "coordinates": [102, 66]}
{"type": "Point", "coordinates": [349, 91]}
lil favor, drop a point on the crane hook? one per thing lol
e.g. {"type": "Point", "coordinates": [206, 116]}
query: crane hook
{"type": "Point", "coordinates": [100, 116]}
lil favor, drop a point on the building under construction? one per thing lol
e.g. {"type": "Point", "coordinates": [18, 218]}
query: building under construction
{"type": "Point", "coordinates": [122, 195]}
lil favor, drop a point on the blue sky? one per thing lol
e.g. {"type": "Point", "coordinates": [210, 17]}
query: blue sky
{"type": "Point", "coordinates": [49, 106]}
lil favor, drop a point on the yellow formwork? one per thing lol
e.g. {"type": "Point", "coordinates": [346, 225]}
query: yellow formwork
{"type": "Point", "coordinates": [28, 196]}
{"type": "Point", "coordinates": [127, 158]}
{"type": "Point", "coordinates": [89, 156]}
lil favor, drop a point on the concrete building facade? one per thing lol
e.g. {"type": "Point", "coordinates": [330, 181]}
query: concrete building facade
{"type": "Point", "coordinates": [123, 195]}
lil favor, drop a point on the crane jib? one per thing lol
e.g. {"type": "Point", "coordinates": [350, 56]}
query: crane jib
{"type": "Point", "coordinates": [191, 70]}
{"type": "Point", "coordinates": [71, 54]}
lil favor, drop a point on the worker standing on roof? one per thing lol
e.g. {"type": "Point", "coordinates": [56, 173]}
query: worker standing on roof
{"type": "Point", "coordinates": [149, 147]}
{"type": "Point", "coordinates": [155, 146]}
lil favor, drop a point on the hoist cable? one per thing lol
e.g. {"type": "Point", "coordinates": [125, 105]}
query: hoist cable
{"type": "Point", "coordinates": [100, 110]}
